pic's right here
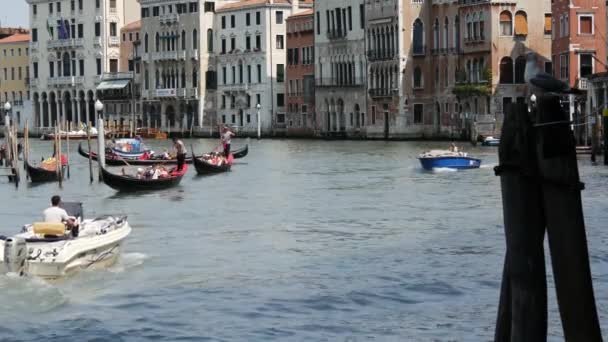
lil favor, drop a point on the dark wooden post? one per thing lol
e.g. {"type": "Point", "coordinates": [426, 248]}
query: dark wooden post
{"type": "Point", "coordinates": [561, 187]}
{"type": "Point", "coordinates": [522, 313]}
{"type": "Point", "coordinates": [605, 128]}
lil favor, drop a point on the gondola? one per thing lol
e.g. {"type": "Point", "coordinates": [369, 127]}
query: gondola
{"type": "Point", "coordinates": [129, 183]}
{"type": "Point", "coordinates": [115, 160]}
{"type": "Point", "coordinates": [205, 168]}
{"type": "Point", "coordinates": [241, 152]}
{"type": "Point", "coordinates": [40, 175]}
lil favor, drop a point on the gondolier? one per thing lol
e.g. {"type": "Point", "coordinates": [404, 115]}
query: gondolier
{"type": "Point", "coordinates": [227, 135]}
{"type": "Point", "coordinates": [180, 150]}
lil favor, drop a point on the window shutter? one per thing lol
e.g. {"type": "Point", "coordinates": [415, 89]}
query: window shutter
{"type": "Point", "coordinates": [521, 24]}
{"type": "Point", "coordinates": [586, 25]}
{"type": "Point", "coordinates": [548, 26]}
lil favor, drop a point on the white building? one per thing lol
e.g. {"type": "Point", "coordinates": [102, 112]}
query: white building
{"type": "Point", "coordinates": [340, 66]}
{"type": "Point", "coordinates": [250, 45]}
{"type": "Point", "coordinates": [73, 43]}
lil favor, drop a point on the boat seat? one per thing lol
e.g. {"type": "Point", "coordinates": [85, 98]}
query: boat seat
{"type": "Point", "coordinates": [46, 228]}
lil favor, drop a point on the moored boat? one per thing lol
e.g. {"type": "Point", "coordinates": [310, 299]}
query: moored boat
{"type": "Point", "coordinates": [46, 172]}
{"type": "Point", "coordinates": [436, 159]}
{"type": "Point", "coordinates": [129, 148]}
{"type": "Point", "coordinates": [131, 183]}
{"type": "Point", "coordinates": [147, 159]}
{"type": "Point", "coordinates": [490, 141]}
{"type": "Point", "coordinates": [73, 135]}
{"type": "Point", "coordinates": [49, 251]}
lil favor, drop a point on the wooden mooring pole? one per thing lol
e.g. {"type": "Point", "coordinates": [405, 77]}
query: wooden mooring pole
{"type": "Point", "coordinates": [541, 189]}
{"type": "Point", "coordinates": [89, 143]}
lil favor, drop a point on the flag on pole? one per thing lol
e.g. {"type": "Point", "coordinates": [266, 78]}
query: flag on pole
{"type": "Point", "coordinates": [66, 25]}
{"type": "Point", "coordinates": [49, 27]}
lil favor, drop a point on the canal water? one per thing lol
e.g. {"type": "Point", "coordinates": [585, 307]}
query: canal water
{"type": "Point", "coordinates": [302, 241]}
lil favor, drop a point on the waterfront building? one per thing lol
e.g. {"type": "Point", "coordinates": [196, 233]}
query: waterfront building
{"type": "Point", "coordinates": [341, 68]}
{"type": "Point", "coordinates": [179, 81]}
{"type": "Point", "coordinates": [301, 116]}
{"type": "Point", "coordinates": [73, 43]}
{"type": "Point", "coordinates": [120, 91]}
{"type": "Point", "coordinates": [579, 50]}
{"type": "Point", "coordinates": [14, 76]}
{"type": "Point", "coordinates": [250, 46]}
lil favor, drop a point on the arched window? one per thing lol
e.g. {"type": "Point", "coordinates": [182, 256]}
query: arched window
{"type": "Point", "coordinates": [457, 33]}
{"type": "Point", "coordinates": [183, 78]}
{"type": "Point", "coordinates": [436, 34]}
{"type": "Point", "coordinates": [157, 79]}
{"type": "Point", "coordinates": [469, 72]}
{"type": "Point", "coordinates": [506, 70]}
{"type": "Point", "coordinates": [475, 77]}
{"type": "Point", "coordinates": [506, 23]}
{"type": "Point", "coordinates": [437, 77]}
{"type": "Point", "coordinates": [194, 78]}
{"type": "Point", "coordinates": [209, 40]}
{"type": "Point", "coordinates": [194, 39]}
{"type": "Point", "coordinates": [520, 69]}
{"type": "Point", "coordinates": [475, 27]}
{"type": "Point", "coordinates": [446, 32]}
{"type": "Point", "coordinates": [146, 43]}
{"type": "Point", "coordinates": [418, 81]}
{"type": "Point", "coordinates": [521, 23]}
{"type": "Point", "coordinates": [418, 37]}
{"type": "Point", "coordinates": [66, 65]}
{"type": "Point", "coordinates": [469, 27]}
{"type": "Point", "coordinates": [482, 33]}
{"type": "Point", "coordinates": [157, 42]}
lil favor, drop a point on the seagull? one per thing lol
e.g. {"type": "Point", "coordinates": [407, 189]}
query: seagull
{"type": "Point", "coordinates": [542, 81]}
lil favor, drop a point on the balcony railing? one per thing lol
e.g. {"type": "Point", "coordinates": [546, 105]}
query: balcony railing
{"type": "Point", "coordinates": [336, 34]}
{"type": "Point", "coordinates": [97, 41]}
{"type": "Point", "coordinates": [181, 54]}
{"type": "Point", "coordinates": [582, 83]}
{"type": "Point", "coordinates": [168, 19]}
{"type": "Point", "coordinates": [332, 82]}
{"type": "Point", "coordinates": [380, 55]}
{"type": "Point", "coordinates": [194, 54]}
{"type": "Point", "coordinates": [118, 75]}
{"type": "Point", "coordinates": [33, 46]}
{"type": "Point", "coordinates": [114, 41]}
{"type": "Point", "coordinates": [475, 40]}
{"type": "Point", "coordinates": [382, 92]}
{"type": "Point", "coordinates": [181, 92]}
{"type": "Point", "coordinates": [419, 50]}
{"type": "Point", "coordinates": [65, 81]}
{"type": "Point", "coordinates": [32, 82]}
{"type": "Point", "coordinates": [65, 43]}
{"type": "Point", "coordinates": [164, 55]}
{"type": "Point", "coordinates": [193, 92]}
{"type": "Point", "coordinates": [166, 92]}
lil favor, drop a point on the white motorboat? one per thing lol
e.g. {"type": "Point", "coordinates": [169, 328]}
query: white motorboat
{"type": "Point", "coordinates": [45, 250]}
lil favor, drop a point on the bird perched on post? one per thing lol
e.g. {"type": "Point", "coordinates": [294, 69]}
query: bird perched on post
{"type": "Point", "coordinates": [540, 80]}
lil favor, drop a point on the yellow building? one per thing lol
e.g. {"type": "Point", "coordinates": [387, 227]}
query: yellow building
{"type": "Point", "coordinates": [14, 76]}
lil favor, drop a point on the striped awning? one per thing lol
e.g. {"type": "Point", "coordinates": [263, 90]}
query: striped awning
{"type": "Point", "coordinates": [114, 84]}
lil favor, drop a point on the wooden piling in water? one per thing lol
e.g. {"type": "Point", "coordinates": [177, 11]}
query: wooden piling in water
{"type": "Point", "coordinates": [89, 143]}
{"type": "Point", "coordinates": [541, 189]}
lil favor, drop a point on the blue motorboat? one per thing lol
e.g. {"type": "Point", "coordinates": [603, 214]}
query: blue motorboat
{"type": "Point", "coordinates": [490, 141]}
{"type": "Point", "coordinates": [438, 159]}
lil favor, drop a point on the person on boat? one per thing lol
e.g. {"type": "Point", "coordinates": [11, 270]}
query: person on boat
{"type": "Point", "coordinates": [140, 173]}
{"type": "Point", "coordinates": [56, 214]}
{"type": "Point", "coordinates": [453, 148]}
{"type": "Point", "coordinates": [227, 135]}
{"type": "Point", "coordinates": [166, 155]}
{"type": "Point", "coordinates": [180, 151]}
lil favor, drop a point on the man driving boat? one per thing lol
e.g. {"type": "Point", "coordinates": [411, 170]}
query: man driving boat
{"type": "Point", "coordinates": [56, 214]}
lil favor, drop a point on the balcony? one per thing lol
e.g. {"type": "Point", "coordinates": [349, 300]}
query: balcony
{"type": "Point", "coordinates": [33, 46]}
{"type": "Point", "coordinates": [65, 43]}
{"type": "Point", "coordinates": [118, 75]}
{"type": "Point", "coordinates": [31, 82]}
{"type": "Point", "coordinates": [181, 92]}
{"type": "Point", "coordinates": [65, 81]}
{"type": "Point", "coordinates": [181, 55]}
{"type": "Point", "coordinates": [97, 41]}
{"type": "Point", "coordinates": [164, 55]}
{"type": "Point", "coordinates": [328, 82]}
{"type": "Point", "coordinates": [145, 94]}
{"type": "Point", "coordinates": [336, 34]}
{"type": "Point", "coordinates": [168, 19]}
{"type": "Point", "coordinates": [380, 55]}
{"type": "Point", "coordinates": [419, 51]}
{"type": "Point", "coordinates": [474, 40]}
{"type": "Point", "coordinates": [193, 93]}
{"type": "Point", "coordinates": [582, 83]}
{"type": "Point", "coordinates": [113, 10]}
{"type": "Point", "coordinates": [194, 54]}
{"type": "Point", "coordinates": [166, 92]}
{"type": "Point", "coordinates": [114, 41]}
{"type": "Point", "coordinates": [382, 92]}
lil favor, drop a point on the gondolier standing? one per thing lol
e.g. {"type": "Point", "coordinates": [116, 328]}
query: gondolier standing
{"type": "Point", "coordinates": [180, 150]}
{"type": "Point", "coordinates": [227, 135]}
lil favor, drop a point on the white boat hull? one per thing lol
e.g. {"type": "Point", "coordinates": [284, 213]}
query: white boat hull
{"type": "Point", "coordinates": [93, 248]}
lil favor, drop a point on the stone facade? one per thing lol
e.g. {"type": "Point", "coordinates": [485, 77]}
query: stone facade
{"type": "Point", "coordinates": [73, 44]}
{"type": "Point", "coordinates": [14, 77]}
{"type": "Point", "coordinates": [301, 118]}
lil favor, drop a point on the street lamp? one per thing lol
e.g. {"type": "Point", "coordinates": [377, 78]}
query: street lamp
{"type": "Point", "coordinates": [98, 107]}
{"type": "Point", "coordinates": [258, 106]}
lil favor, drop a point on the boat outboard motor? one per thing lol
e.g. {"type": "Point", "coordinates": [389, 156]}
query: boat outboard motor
{"type": "Point", "coordinates": [15, 255]}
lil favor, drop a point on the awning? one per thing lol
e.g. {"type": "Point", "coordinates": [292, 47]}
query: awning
{"type": "Point", "coordinates": [115, 84]}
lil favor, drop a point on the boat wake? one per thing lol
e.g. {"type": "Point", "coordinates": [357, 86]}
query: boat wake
{"type": "Point", "coordinates": [488, 166]}
{"type": "Point", "coordinates": [443, 170]}
{"type": "Point", "coordinates": [128, 261]}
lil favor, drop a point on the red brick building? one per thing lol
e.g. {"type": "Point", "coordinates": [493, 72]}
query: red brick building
{"type": "Point", "coordinates": [579, 40]}
{"type": "Point", "coordinates": [301, 118]}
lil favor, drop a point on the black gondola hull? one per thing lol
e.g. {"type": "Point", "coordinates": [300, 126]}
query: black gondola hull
{"type": "Point", "coordinates": [204, 168]}
{"type": "Point", "coordinates": [118, 161]}
{"type": "Point", "coordinates": [40, 175]}
{"type": "Point", "coordinates": [241, 152]}
{"type": "Point", "coordinates": [130, 184]}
